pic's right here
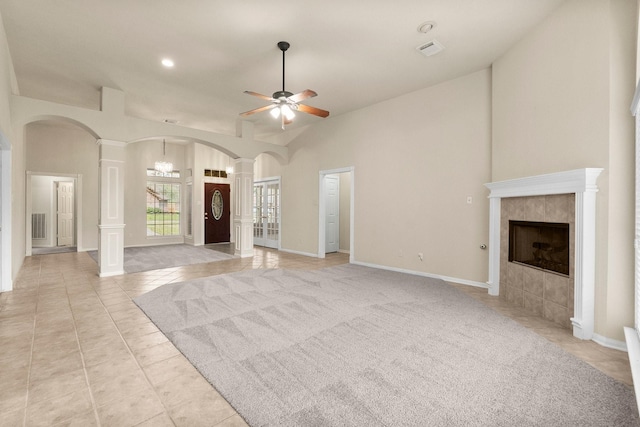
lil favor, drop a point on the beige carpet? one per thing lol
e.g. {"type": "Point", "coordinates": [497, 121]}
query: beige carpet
{"type": "Point", "coordinates": [146, 258]}
{"type": "Point", "coordinates": [357, 346]}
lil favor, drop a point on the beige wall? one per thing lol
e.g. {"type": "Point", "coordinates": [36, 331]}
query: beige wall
{"type": "Point", "coordinates": [266, 166]}
{"type": "Point", "coordinates": [140, 157]}
{"type": "Point", "coordinates": [52, 149]}
{"type": "Point", "coordinates": [7, 83]}
{"type": "Point", "coordinates": [416, 159]}
{"type": "Point", "coordinates": [561, 99]}
{"type": "Point", "coordinates": [9, 138]}
{"type": "Point", "coordinates": [194, 156]}
{"type": "Point", "coordinates": [345, 211]}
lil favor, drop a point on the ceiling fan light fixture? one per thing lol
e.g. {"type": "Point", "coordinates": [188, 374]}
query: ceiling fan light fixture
{"type": "Point", "coordinates": [283, 102]}
{"type": "Point", "coordinates": [287, 112]}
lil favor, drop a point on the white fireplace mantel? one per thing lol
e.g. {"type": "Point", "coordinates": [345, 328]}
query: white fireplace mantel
{"type": "Point", "coordinates": [582, 182]}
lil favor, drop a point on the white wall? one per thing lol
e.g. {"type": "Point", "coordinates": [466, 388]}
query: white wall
{"type": "Point", "coordinates": [417, 158]}
{"type": "Point", "coordinates": [52, 148]}
{"type": "Point", "coordinates": [561, 99]}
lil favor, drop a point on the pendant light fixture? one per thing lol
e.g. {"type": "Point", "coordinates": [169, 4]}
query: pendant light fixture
{"type": "Point", "coordinates": [164, 166]}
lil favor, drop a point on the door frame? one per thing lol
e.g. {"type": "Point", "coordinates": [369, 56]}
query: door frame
{"type": "Point", "coordinates": [207, 206]}
{"type": "Point", "coordinates": [277, 179]}
{"type": "Point", "coordinates": [199, 208]}
{"type": "Point", "coordinates": [77, 196]}
{"type": "Point", "coordinates": [57, 210]}
{"type": "Point", "coordinates": [322, 211]}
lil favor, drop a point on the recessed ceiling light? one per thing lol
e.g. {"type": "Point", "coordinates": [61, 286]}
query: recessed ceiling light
{"type": "Point", "coordinates": [168, 62]}
{"type": "Point", "coordinates": [425, 27]}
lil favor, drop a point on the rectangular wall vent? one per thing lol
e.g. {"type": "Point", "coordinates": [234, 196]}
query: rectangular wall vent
{"type": "Point", "coordinates": [430, 48]}
{"type": "Point", "coordinates": [38, 226]}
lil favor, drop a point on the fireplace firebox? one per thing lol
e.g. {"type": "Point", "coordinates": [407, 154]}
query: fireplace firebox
{"type": "Point", "coordinates": [541, 245]}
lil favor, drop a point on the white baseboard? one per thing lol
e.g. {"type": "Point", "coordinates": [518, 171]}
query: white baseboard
{"type": "Point", "coordinates": [609, 343]}
{"type": "Point", "coordinates": [423, 274]}
{"type": "Point", "coordinates": [112, 273]}
{"type": "Point", "coordinates": [291, 251]}
{"type": "Point", "coordinates": [344, 251]}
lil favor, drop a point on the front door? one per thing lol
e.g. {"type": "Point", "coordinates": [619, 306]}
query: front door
{"type": "Point", "coordinates": [266, 213]}
{"type": "Point", "coordinates": [65, 214]}
{"type": "Point", "coordinates": [217, 213]}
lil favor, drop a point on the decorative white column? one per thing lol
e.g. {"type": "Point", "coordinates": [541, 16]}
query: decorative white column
{"type": "Point", "coordinates": [585, 260]}
{"type": "Point", "coordinates": [243, 209]}
{"type": "Point", "coordinates": [494, 245]}
{"type": "Point", "coordinates": [111, 208]}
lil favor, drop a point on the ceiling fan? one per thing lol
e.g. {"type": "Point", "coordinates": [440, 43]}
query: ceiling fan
{"type": "Point", "coordinates": [284, 103]}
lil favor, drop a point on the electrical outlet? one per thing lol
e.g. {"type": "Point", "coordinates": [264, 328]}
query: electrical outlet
{"type": "Point", "coordinates": [421, 256]}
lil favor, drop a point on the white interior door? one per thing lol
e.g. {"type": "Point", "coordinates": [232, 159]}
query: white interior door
{"type": "Point", "coordinates": [332, 217]}
{"type": "Point", "coordinates": [65, 214]}
{"type": "Point", "coordinates": [266, 213]}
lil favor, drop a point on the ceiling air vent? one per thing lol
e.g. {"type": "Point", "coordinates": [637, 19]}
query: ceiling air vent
{"type": "Point", "coordinates": [430, 48]}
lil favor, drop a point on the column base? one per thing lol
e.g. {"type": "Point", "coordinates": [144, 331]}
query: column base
{"type": "Point", "coordinates": [243, 232]}
{"type": "Point", "coordinates": [110, 250]}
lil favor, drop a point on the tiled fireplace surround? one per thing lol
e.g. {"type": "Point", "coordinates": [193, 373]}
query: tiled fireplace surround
{"type": "Point", "coordinates": [544, 293]}
{"type": "Point", "coordinates": [567, 197]}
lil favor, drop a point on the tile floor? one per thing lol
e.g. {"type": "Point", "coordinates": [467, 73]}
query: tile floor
{"type": "Point", "coordinates": [76, 351]}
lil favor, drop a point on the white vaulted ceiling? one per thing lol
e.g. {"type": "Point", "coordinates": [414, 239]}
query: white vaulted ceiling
{"type": "Point", "coordinates": [353, 54]}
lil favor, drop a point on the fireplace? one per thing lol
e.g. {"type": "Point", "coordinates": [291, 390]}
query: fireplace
{"type": "Point", "coordinates": [541, 245]}
{"type": "Point", "coordinates": [562, 197]}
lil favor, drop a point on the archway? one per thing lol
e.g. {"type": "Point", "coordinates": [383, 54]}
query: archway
{"type": "Point", "coordinates": [60, 151]}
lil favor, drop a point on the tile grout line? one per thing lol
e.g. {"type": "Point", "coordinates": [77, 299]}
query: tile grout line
{"type": "Point", "coordinates": [33, 340]}
{"type": "Point", "coordinates": [135, 360]}
{"type": "Point", "coordinates": [84, 366]}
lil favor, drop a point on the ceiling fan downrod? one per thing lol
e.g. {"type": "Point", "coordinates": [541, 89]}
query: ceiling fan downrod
{"type": "Point", "coordinates": [283, 93]}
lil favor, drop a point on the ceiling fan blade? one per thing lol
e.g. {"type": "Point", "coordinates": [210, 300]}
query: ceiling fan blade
{"type": "Point", "coordinates": [258, 110]}
{"type": "Point", "coordinates": [259, 95]}
{"type": "Point", "coordinates": [302, 96]}
{"type": "Point", "coordinates": [313, 110]}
